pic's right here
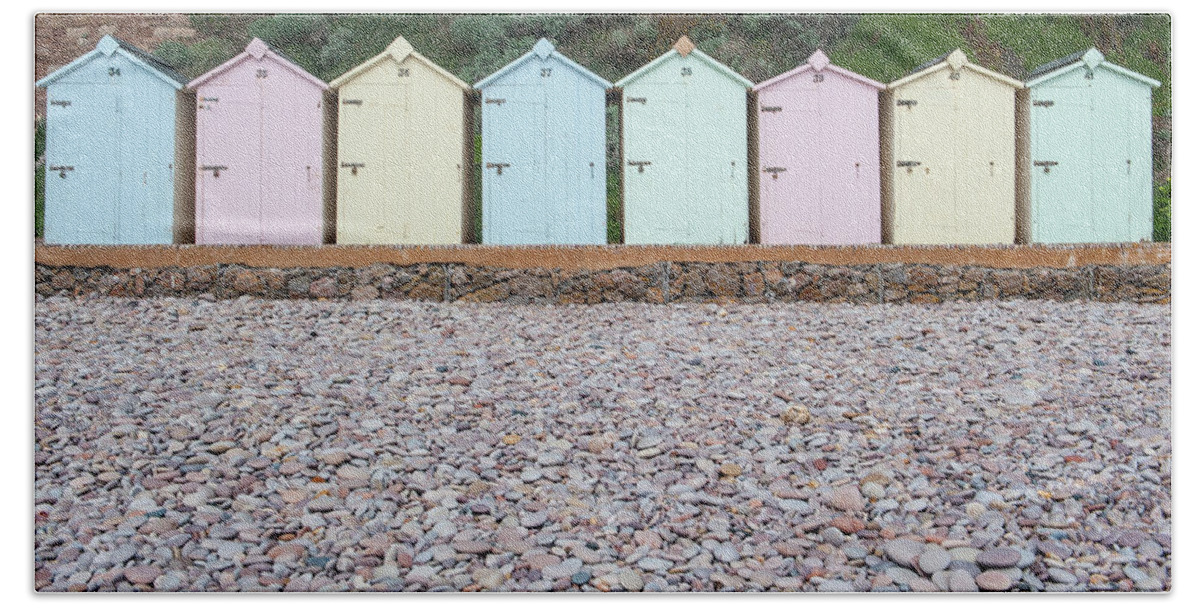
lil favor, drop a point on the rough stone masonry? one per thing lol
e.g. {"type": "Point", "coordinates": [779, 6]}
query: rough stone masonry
{"type": "Point", "coordinates": [660, 282]}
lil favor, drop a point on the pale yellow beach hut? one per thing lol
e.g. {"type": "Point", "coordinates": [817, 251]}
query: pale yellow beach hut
{"type": "Point", "coordinates": [949, 155]}
{"type": "Point", "coordinates": [402, 153]}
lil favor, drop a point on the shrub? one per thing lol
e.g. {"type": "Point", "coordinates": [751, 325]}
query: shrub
{"type": "Point", "coordinates": [1162, 212]}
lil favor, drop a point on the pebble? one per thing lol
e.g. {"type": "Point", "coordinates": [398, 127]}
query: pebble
{"type": "Point", "coordinates": [934, 559]}
{"type": "Point", "coordinates": [903, 550]}
{"type": "Point", "coordinates": [993, 581]}
{"type": "Point", "coordinates": [562, 569]}
{"type": "Point", "coordinates": [1000, 557]}
{"type": "Point", "coordinates": [262, 456]}
{"type": "Point", "coordinates": [846, 498]}
{"type": "Point", "coordinates": [142, 575]}
{"type": "Point", "coordinates": [488, 578]}
{"type": "Point", "coordinates": [961, 582]}
{"type": "Point", "coordinates": [1059, 575]}
{"type": "Point", "coordinates": [168, 582]}
{"type": "Point", "coordinates": [873, 491]}
{"type": "Point", "coordinates": [630, 580]}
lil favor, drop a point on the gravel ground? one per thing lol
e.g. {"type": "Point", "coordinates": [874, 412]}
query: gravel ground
{"type": "Point", "coordinates": [257, 445]}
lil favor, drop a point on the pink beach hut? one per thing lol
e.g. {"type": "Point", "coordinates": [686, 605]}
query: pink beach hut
{"type": "Point", "coordinates": [818, 156]}
{"type": "Point", "coordinates": [260, 128]}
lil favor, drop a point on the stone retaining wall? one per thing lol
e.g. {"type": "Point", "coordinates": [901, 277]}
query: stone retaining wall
{"type": "Point", "coordinates": [659, 282]}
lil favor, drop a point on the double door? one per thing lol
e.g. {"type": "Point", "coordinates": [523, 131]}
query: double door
{"type": "Point", "coordinates": [684, 178]}
{"type": "Point", "coordinates": [259, 170]}
{"type": "Point", "coordinates": [818, 163]}
{"type": "Point", "coordinates": [1090, 155]}
{"type": "Point", "coordinates": [953, 172]}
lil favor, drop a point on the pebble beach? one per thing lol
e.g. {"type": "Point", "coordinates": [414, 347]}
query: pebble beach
{"type": "Point", "coordinates": [195, 444]}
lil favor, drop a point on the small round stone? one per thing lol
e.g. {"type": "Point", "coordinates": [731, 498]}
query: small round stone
{"type": "Point", "coordinates": [993, 581]}
{"type": "Point", "coordinates": [1000, 557]}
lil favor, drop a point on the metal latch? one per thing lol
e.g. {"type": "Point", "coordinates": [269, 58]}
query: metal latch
{"type": "Point", "coordinates": [216, 169]}
{"type": "Point", "coordinates": [640, 164]}
{"type": "Point", "coordinates": [772, 108]}
{"type": "Point", "coordinates": [499, 167]}
{"type": "Point", "coordinates": [906, 102]}
{"type": "Point", "coordinates": [354, 167]}
{"type": "Point", "coordinates": [1045, 103]}
{"type": "Point", "coordinates": [352, 102]}
{"type": "Point", "coordinates": [641, 100]}
{"type": "Point", "coordinates": [497, 101]}
{"type": "Point", "coordinates": [774, 171]}
{"type": "Point", "coordinates": [60, 102]}
{"type": "Point", "coordinates": [1045, 164]}
{"type": "Point", "coordinates": [62, 169]}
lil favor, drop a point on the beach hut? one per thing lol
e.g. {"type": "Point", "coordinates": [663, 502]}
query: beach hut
{"type": "Point", "coordinates": [949, 155]}
{"type": "Point", "coordinates": [818, 156]}
{"type": "Point", "coordinates": [1090, 155]}
{"type": "Point", "coordinates": [683, 120]}
{"type": "Point", "coordinates": [260, 161]}
{"type": "Point", "coordinates": [402, 158]}
{"type": "Point", "coordinates": [112, 148]}
{"type": "Point", "coordinates": [543, 152]}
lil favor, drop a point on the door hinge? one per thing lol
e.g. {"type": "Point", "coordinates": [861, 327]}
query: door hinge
{"type": "Point", "coordinates": [62, 169]}
{"type": "Point", "coordinates": [354, 167]}
{"type": "Point", "coordinates": [60, 102]}
{"type": "Point", "coordinates": [216, 169]}
{"type": "Point", "coordinates": [908, 163]}
{"type": "Point", "coordinates": [641, 100]}
{"type": "Point", "coordinates": [1045, 103]}
{"type": "Point", "coordinates": [640, 164]}
{"type": "Point", "coordinates": [499, 167]}
{"type": "Point", "coordinates": [1045, 164]}
{"type": "Point", "coordinates": [352, 102]}
{"type": "Point", "coordinates": [906, 102]}
{"type": "Point", "coordinates": [497, 101]}
{"type": "Point", "coordinates": [774, 171]}
{"type": "Point", "coordinates": [772, 109]}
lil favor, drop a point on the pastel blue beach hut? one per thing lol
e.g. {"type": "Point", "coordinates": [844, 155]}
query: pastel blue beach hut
{"type": "Point", "coordinates": [1090, 152]}
{"type": "Point", "coordinates": [543, 152]}
{"type": "Point", "coordinates": [111, 148]}
{"type": "Point", "coordinates": [684, 150]}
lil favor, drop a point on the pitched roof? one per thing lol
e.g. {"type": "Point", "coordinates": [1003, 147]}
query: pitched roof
{"type": "Point", "coordinates": [398, 51]}
{"type": "Point", "coordinates": [1091, 58]}
{"type": "Point", "coordinates": [543, 49]}
{"type": "Point", "coordinates": [956, 60]}
{"type": "Point", "coordinates": [111, 44]}
{"type": "Point", "coordinates": [1057, 63]}
{"type": "Point", "coordinates": [685, 44]}
{"type": "Point", "coordinates": [931, 62]}
{"type": "Point", "coordinates": [259, 49]}
{"type": "Point", "coordinates": [819, 62]}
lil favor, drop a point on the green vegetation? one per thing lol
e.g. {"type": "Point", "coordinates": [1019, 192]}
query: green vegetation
{"type": "Point", "coordinates": [39, 176]}
{"type": "Point", "coordinates": [1162, 212]}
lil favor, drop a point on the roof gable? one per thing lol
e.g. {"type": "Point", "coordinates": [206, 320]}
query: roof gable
{"type": "Point", "coordinates": [1089, 59]}
{"type": "Point", "coordinates": [683, 48]}
{"type": "Point", "coordinates": [955, 60]}
{"type": "Point", "coordinates": [819, 62]}
{"type": "Point", "coordinates": [107, 46]}
{"type": "Point", "coordinates": [544, 49]}
{"type": "Point", "coordinates": [398, 51]}
{"type": "Point", "coordinates": [258, 49]}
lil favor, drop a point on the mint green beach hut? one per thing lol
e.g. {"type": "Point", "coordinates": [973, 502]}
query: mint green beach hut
{"type": "Point", "coordinates": [683, 120]}
{"type": "Point", "coordinates": [1090, 153]}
